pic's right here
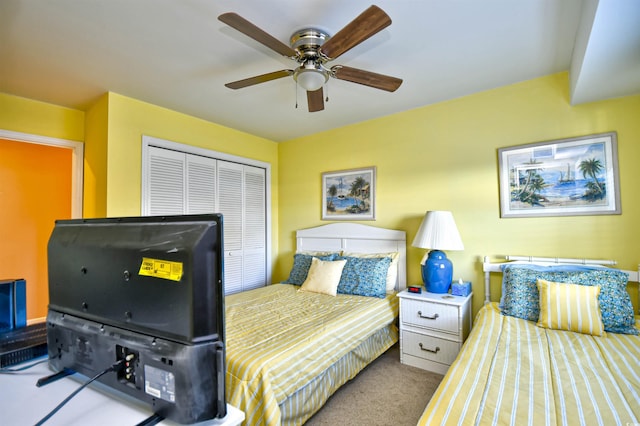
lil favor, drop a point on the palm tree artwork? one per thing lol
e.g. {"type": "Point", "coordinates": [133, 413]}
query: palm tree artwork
{"type": "Point", "coordinates": [358, 192]}
{"type": "Point", "coordinates": [532, 184]}
{"type": "Point", "coordinates": [349, 194]}
{"type": "Point", "coordinates": [332, 192]}
{"type": "Point", "coordinates": [559, 176]}
{"type": "Point", "coordinates": [590, 168]}
{"type": "Point", "coordinates": [574, 176]}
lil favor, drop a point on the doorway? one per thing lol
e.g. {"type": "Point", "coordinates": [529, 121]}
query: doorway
{"type": "Point", "coordinates": [38, 184]}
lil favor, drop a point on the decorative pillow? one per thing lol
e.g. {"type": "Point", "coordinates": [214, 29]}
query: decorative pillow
{"type": "Point", "coordinates": [301, 264]}
{"type": "Point", "coordinates": [364, 276]}
{"type": "Point", "coordinates": [570, 307]}
{"type": "Point", "coordinates": [323, 276]}
{"type": "Point", "coordinates": [543, 267]}
{"type": "Point", "coordinates": [392, 272]}
{"type": "Point", "coordinates": [521, 297]}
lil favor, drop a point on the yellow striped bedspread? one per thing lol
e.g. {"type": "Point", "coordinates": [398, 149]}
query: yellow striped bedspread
{"type": "Point", "coordinates": [511, 372]}
{"type": "Point", "coordinates": [278, 339]}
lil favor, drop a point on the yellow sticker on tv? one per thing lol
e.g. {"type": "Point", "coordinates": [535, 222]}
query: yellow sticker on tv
{"type": "Point", "coordinates": [164, 269]}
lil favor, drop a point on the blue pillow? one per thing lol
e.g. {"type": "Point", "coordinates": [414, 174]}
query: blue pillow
{"type": "Point", "coordinates": [301, 265]}
{"type": "Point", "coordinates": [364, 276]}
{"type": "Point", "coordinates": [542, 268]}
{"type": "Point", "coordinates": [521, 298]}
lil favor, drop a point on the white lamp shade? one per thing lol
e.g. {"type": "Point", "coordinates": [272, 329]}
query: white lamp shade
{"type": "Point", "coordinates": [438, 231]}
{"type": "Point", "coordinates": [310, 79]}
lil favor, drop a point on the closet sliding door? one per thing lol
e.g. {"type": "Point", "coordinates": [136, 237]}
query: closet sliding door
{"type": "Point", "coordinates": [176, 182]}
{"type": "Point", "coordinates": [242, 204]}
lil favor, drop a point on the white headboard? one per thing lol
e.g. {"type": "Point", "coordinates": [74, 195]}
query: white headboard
{"type": "Point", "coordinates": [358, 238]}
{"type": "Point", "coordinates": [488, 266]}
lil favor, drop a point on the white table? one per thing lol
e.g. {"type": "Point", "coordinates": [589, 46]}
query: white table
{"type": "Point", "coordinates": [22, 403]}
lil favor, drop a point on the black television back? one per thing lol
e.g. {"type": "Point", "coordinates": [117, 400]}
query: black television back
{"type": "Point", "coordinates": [148, 292]}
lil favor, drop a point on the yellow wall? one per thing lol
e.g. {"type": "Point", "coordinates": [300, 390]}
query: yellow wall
{"type": "Point", "coordinates": [40, 118]}
{"type": "Point", "coordinates": [444, 157]}
{"type": "Point", "coordinates": [95, 159]}
{"type": "Point", "coordinates": [130, 119]}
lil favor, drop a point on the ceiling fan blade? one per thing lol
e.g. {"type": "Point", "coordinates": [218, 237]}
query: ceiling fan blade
{"type": "Point", "coordinates": [368, 23]}
{"type": "Point", "coordinates": [367, 78]}
{"type": "Point", "coordinates": [315, 100]}
{"type": "Point", "coordinates": [259, 79]}
{"type": "Point", "coordinates": [247, 28]}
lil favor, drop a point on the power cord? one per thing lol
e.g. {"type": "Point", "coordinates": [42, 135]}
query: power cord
{"type": "Point", "coordinates": [7, 370]}
{"type": "Point", "coordinates": [115, 367]}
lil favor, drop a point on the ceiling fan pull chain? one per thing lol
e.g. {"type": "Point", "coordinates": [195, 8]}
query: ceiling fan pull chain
{"type": "Point", "coordinates": [296, 95]}
{"type": "Point", "coordinates": [326, 87]}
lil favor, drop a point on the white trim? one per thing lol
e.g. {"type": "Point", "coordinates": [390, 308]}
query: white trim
{"type": "Point", "coordinates": [189, 149]}
{"type": "Point", "coordinates": [77, 162]}
{"type": "Point", "coordinates": [33, 321]}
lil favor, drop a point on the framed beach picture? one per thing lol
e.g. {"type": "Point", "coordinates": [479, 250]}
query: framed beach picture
{"type": "Point", "coordinates": [349, 194]}
{"type": "Point", "coordinates": [566, 177]}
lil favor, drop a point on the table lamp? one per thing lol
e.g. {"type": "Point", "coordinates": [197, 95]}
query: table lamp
{"type": "Point", "coordinates": [437, 232]}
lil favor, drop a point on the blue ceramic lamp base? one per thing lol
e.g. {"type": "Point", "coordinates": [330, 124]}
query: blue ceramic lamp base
{"type": "Point", "coordinates": [437, 272]}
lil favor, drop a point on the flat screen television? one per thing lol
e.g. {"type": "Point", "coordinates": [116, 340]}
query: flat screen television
{"type": "Point", "coordinates": [147, 293]}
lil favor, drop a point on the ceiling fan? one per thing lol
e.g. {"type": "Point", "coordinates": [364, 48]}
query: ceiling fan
{"type": "Point", "coordinates": [312, 48]}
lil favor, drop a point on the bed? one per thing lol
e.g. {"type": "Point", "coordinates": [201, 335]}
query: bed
{"type": "Point", "coordinates": [569, 369]}
{"type": "Point", "coordinates": [289, 350]}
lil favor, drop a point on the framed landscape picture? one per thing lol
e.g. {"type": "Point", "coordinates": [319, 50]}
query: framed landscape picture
{"type": "Point", "coordinates": [349, 194]}
{"type": "Point", "coordinates": [566, 177]}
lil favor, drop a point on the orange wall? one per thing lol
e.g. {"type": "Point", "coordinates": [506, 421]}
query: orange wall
{"type": "Point", "coordinates": [35, 190]}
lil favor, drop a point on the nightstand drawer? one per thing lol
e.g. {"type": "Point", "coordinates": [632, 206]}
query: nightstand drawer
{"type": "Point", "coordinates": [435, 316]}
{"type": "Point", "coordinates": [429, 347]}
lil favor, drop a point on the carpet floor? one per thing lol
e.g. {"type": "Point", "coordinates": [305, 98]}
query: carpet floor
{"type": "Point", "coordinates": [384, 393]}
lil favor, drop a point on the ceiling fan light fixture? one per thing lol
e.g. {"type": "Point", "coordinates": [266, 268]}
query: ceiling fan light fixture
{"type": "Point", "coordinates": [311, 79]}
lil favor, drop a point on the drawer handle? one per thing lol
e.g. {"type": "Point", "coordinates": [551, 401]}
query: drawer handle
{"type": "Point", "coordinates": [433, 351]}
{"type": "Point", "coordinates": [431, 317]}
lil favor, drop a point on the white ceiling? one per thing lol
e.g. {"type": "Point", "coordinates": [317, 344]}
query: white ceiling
{"type": "Point", "coordinates": [176, 54]}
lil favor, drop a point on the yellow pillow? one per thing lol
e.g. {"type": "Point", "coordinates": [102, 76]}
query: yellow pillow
{"type": "Point", "coordinates": [570, 307]}
{"type": "Point", "coordinates": [392, 272]}
{"type": "Point", "coordinates": [324, 276]}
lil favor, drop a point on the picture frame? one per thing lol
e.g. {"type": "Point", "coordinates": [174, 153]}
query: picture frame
{"type": "Point", "coordinates": [349, 194]}
{"type": "Point", "coordinates": [564, 177]}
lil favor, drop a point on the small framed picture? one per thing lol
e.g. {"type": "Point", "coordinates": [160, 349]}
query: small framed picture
{"type": "Point", "coordinates": [349, 194]}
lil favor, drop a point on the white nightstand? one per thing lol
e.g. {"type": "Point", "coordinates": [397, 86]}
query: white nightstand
{"type": "Point", "coordinates": [433, 328]}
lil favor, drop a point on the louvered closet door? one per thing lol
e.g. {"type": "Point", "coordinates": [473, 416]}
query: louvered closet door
{"type": "Point", "coordinates": [201, 184]}
{"type": "Point", "coordinates": [241, 201]}
{"type": "Point", "coordinates": [182, 183]}
{"type": "Point", "coordinates": [255, 244]}
{"type": "Point", "coordinates": [166, 188]}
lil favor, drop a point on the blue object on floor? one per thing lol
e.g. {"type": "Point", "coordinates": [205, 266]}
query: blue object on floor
{"type": "Point", "coordinates": [13, 304]}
